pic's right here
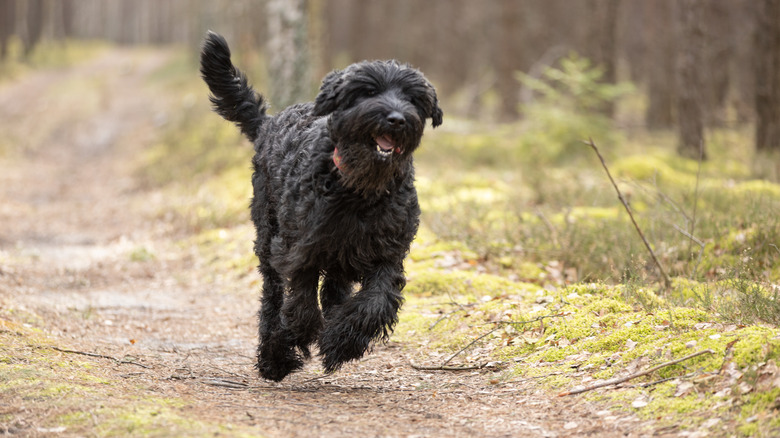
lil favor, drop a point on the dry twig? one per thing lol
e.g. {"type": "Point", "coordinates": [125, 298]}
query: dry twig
{"type": "Point", "coordinates": [667, 281]}
{"type": "Point", "coordinates": [696, 202]}
{"type": "Point", "coordinates": [446, 368]}
{"type": "Point", "coordinates": [102, 356]}
{"type": "Point", "coordinates": [224, 383]}
{"type": "Point", "coordinates": [468, 346]}
{"type": "Point", "coordinates": [635, 375]}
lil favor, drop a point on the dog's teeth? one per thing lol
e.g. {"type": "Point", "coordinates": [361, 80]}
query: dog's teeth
{"type": "Point", "coordinates": [383, 152]}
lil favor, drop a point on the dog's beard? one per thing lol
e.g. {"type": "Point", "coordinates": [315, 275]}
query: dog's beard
{"type": "Point", "coordinates": [372, 156]}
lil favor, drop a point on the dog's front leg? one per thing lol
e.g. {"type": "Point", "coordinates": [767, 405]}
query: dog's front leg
{"type": "Point", "coordinates": [369, 315]}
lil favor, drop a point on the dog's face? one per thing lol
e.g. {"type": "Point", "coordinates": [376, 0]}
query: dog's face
{"type": "Point", "coordinates": [378, 111]}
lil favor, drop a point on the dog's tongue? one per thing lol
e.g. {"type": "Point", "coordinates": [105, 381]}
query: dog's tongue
{"type": "Point", "coordinates": [385, 142]}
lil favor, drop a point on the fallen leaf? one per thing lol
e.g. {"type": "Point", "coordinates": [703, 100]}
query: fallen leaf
{"type": "Point", "coordinates": [683, 389]}
{"type": "Point", "coordinates": [58, 429]}
{"type": "Point", "coordinates": [711, 422]}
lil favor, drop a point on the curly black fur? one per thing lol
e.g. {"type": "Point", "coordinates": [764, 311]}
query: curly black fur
{"type": "Point", "coordinates": [346, 224]}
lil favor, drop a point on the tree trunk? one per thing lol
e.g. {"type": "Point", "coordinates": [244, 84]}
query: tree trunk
{"type": "Point", "coordinates": [718, 50]}
{"type": "Point", "coordinates": [507, 58]}
{"type": "Point", "coordinates": [601, 43]}
{"type": "Point", "coordinates": [7, 24]}
{"type": "Point", "coordinates": [288, 57]}
{"type": "Point", "coordinates": [689, 111]}
{"type": "Point", "coordinates": [659, 65]}
{"type": "Point", "coordinates": [33, 25]}
{"type": "Point", "coordinates": [767, 70]}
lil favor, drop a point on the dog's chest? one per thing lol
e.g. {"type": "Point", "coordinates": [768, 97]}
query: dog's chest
{"type": "Point", "coordinates": [354, 234]}
{"type": "Point", "coordinates": [360, 229]}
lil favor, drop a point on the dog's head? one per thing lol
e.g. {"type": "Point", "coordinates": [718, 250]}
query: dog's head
{"type": "Point", "coordinates": [377, 114]}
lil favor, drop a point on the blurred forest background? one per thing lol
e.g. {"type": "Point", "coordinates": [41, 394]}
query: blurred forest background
{"type": "Point", "coordinates": [681, 96]}
{"type": "Point", "coordinates": [123, 212]}
{"type": "Point", "coordinates": [698, 63]}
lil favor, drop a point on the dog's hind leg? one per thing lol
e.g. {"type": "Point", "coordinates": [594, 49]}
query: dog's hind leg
{"type": "Point", "coordinates": [334, 292]}
{"type": "Point", "coordinates": [276, 356]}
{"type": "Point", "coordinates": [369, 315]}
{"type": "Point", "coordinates": [300, 311]}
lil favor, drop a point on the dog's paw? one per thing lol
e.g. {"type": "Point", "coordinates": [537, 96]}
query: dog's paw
{"type": "Point", "coordinates": [276, 360]}
{"type": "Point", "coordinates": [339, 343]}
{"type": "Point", "coordinates": [278, 368]}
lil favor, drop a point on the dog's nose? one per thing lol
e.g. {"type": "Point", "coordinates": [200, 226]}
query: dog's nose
{"type": "Point", "coordinates": [396, 119]}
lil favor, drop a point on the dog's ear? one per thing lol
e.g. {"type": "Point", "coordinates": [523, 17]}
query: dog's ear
{"type": "Point", "coordinates": [327, 100]}
{"type": "Point", "coordinates": [435, 113]}
{"type": "Point", "coordinates": [438, 115]}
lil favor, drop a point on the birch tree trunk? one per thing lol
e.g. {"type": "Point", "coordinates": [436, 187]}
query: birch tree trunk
{"type": "Point", "coordinates": [288, 54]}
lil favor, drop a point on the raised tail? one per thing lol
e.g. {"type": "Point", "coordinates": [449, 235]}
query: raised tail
{"type": "Point", "coordinates": [232, 96]}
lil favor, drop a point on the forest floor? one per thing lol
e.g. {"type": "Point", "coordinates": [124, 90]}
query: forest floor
{"type": "Point", "coordinates": [112, 321]}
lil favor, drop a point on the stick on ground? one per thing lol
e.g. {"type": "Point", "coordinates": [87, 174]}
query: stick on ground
{"type": "Point", "coordinates": [102, 356]}
{"type": "Point", "coordinates": [635, 375]}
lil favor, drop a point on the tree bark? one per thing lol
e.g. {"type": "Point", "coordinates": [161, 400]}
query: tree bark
{"type": "Point", "coordinates": [33, 25]}
{"type": "Point", "coordinates": [718, 50]}
{"type": "Point", "coordinates": [767, 70]}
{"type": "Point", "coordinates": [7, 24]}
{"type": "Point", "coordinates": [689, 64]}
{"type": "Point", "coordinates": [601, 44]}
{"type": "Point", "coordinates": [288, 57]}
{"type": "Point", "coordinates": [507, 58]}
{"type": "Point", "coordinates": [659, 65]}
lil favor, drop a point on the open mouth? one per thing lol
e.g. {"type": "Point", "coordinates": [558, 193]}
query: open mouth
{"type": "Point", "coordinates": [385, 146]}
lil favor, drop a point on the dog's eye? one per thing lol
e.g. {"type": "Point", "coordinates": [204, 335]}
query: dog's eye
{"type": "Point", "coordinates": [371, 92]}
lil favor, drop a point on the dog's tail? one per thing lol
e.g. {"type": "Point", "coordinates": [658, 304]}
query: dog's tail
{"type": "Point", "coordinates": [232, 96]}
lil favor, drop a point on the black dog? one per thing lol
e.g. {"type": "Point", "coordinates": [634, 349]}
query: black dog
{"type": "Point", "coordinates": [334, 199]}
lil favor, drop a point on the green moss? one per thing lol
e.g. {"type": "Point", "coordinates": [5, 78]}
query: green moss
{"type": "Point", "coordinates": [141, 254]}
{"type": "Point", "coordinates": [469, 285]}
{"type": "Point", "coordinates": [85, 401]}
{"type": "Point", "coordinates": [652, 168]}
{"type": "Point", "coordinates": [606, 305]}
{"type": "Point", "coordinates": [757, 188]}
{"type": "Point", "coordinates": [758, 414]}
{"type": "Point", "coordinates": [755, 345]}
{"type": "Point", "coordinates": [228, 253]}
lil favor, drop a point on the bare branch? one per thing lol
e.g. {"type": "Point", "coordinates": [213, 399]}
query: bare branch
{"type": "Point", "coordinates": [102, 356]}
{"type": "Point", "coordinates": [446, 368]}
{"type": "Point", "coordinates": [635, 375]}
{"type": "Point", "coordinates": [667, 281]}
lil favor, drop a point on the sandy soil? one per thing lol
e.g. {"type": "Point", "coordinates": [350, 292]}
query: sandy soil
{"type": "Point", "coordinates": [71, 214]}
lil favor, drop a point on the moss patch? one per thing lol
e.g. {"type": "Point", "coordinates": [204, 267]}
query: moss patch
{"type": "Point", "coordinates": [79, 397]}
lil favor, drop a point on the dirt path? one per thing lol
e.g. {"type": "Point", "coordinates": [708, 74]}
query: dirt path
{"type": "Point", "coordinates": [73, 230]}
